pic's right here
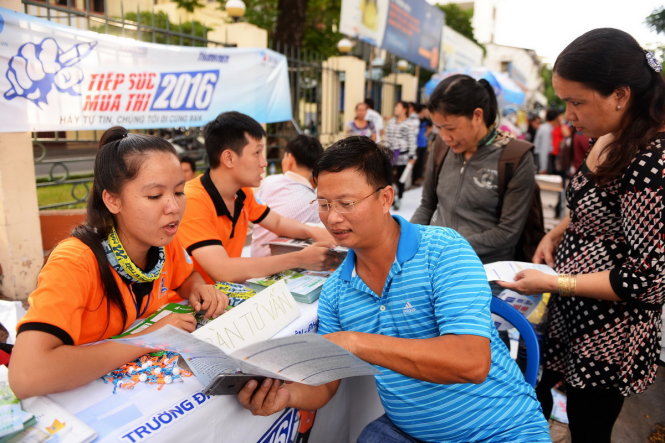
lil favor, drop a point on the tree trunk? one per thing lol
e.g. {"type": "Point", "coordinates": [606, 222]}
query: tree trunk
{"type": "Point", "coordinates": [290, 27]}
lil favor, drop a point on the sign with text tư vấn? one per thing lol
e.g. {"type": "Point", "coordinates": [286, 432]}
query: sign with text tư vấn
{"type": "Point", "coordinates": [57, 78]}
{"type": "Point", "coordinates": [253, 321]}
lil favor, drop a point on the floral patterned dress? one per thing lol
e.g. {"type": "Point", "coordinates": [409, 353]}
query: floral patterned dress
{"type": "Point", "coordinates": [619, 227]}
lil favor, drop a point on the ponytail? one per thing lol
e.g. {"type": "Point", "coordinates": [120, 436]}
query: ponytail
{"type": "Point", "coordinates": [461, 94]}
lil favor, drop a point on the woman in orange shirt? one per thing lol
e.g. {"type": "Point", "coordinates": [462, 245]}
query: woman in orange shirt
{"type": "Point", "coordinates": [119, 266]}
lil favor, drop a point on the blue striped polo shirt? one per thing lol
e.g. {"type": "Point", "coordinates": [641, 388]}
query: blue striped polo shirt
{"type": "Point", "coordinates": [436, 286]}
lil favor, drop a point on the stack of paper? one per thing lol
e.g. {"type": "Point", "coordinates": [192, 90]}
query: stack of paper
{"type": "Point", "coordinates": [305, 286]}
{"type": "Point", "coordinates": [37, 419]}
{"type": "Point", "coordinates": [283, 245]}
{"type": "Point", "coordinates": [52, 423]}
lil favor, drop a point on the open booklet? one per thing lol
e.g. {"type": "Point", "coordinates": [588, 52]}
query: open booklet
{"type": "Point", "coordinates": [305, 358]}
{"type": "Point", "coordinates": [524, 303]}
{"type": "Point", "coordinates": [506, 270]}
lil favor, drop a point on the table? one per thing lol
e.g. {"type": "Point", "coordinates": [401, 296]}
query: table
{"type": "Point", "coordinates": [181, 413]}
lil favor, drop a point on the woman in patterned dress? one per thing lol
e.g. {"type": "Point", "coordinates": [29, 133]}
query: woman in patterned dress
{"type": "Point", "coordinates": [604, 318]}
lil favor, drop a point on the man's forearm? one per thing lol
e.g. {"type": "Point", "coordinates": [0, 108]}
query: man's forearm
{"type": "Point", "coordinates": [240, 269]}
{"type": "Point", "coordinates": [445, 359]}
{"type": "Point", "coordinates": [310, 397]}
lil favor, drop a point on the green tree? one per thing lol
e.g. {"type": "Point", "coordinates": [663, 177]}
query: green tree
{"type": "Point", "coordinates": [656, 20]}
{"type": "Point", "coordinates": [188, 5]}
{"type": "Point", "coordinates": [305, 24]}
{"type": "Point", "coordinates": [460, 20]}
{"type": "Point", "coordinates": [552, 99]}
{"type": "Point", "coordinates": [153, 23]}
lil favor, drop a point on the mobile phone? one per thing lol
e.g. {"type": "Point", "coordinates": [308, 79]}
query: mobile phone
{"type": "Point", "coordinates": [230, 384]}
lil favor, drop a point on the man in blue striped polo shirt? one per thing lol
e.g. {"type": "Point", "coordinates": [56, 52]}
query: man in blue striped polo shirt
{"type": "Point", "coordinates": [413, 301]}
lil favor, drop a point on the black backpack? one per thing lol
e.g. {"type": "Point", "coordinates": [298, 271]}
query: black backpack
{"type": "Point", "coordinates": [534, 228]}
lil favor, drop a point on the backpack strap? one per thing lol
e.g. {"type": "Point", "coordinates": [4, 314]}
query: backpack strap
{"type": "Point", "coordinates": [510, 157]}
{"type": "Point", "coordinates": [439, 151]}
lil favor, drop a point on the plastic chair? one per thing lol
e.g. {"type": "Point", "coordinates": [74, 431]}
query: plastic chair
{"type": "Point", "coordinates": [514, 317]}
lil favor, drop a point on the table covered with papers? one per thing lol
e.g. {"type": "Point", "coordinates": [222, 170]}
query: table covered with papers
{"type": "Point", "coordinates": [181, 412]}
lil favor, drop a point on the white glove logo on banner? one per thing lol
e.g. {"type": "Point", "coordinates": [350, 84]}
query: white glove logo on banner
{"type": "Point", "coordinates": [36, 68]}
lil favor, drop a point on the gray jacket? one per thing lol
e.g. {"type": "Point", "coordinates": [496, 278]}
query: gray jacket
{"type": "Point", "coordinates": [465, 197]}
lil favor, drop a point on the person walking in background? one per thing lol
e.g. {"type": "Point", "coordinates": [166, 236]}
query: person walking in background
{"type": "Point", "coordinates": [581, 147]}
{"type": "Point", "coordinates": [543, 140]}
{"type": "Point", "coordinates": [605, 316]}
{"type": "Point", "coordinates": [360, 125]}
{"type": "Point", "coordinates": [464, 193]}
{"type": "Point", "coordinates": [508, 122]}
{"type": "Point", "coordinates": [188, 166]}
{"type": "Point", "coordinates": [375, 118]}
{"type": "Point", "coordinates": [401, 139]}
{"type": "Point", "coordinates": [291, 193]}
{"type": "Point", "coordinates": [534, 123]}
{"type": "Point", "coordinates": [422, 143]}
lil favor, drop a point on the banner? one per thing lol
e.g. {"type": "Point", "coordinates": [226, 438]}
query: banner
{"type": "Point", "coordinates": [55, 77]}
{"type": "Point", "coordinates": [410, 29]}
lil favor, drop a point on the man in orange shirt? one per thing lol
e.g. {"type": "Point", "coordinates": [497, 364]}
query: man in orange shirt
{"type": "Point", "coordinates": [221, 203]}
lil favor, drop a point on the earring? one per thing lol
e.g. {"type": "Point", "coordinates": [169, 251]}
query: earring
{"type": "Point", "coordinates": [618, 107]}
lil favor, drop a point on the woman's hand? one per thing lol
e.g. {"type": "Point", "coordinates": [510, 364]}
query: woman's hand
{"type": "Point", "coordinates": [186, 322]}
{"type": "Point", "coordinates": [207, 298]}
{"type": "Point", "coordinates": [546, 248]}
{"type": "Point", "coordinates": [531, 281]}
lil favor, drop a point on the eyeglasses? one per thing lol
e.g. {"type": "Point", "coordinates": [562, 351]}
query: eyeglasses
{"type": "Point", "coordinates": [341, 206]}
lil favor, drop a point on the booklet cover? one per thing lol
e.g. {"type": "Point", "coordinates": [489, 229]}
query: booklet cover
{"type": "Point", "coordinates": [53, 424]}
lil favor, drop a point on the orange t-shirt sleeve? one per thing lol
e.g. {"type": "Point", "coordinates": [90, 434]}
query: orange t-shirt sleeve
{"type": "Point", "coordinates": [256, 211]}
{"type": "Point", "coordinates": [64, 287]}
{"type": "Point", "coordinates": [197, 227]}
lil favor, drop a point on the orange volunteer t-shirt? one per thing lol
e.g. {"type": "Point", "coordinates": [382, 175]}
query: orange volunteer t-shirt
{"type": "Point", "coordinates": [69, 301]}
{"type": "Point", "coordinates": [207, 220]}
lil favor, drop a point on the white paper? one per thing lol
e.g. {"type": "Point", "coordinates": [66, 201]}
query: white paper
{"type": "Point", "coordinates": [54, 424]}
{"type": "Point", "coordinates": [256, 319]}
{"type": "Point", "coordinates": [306, 358]}
{"type": "Point", "coordinates": [406, 174]}
{"type": "Point", "coordinates": [10, 313]}
{"type": "Point", "coordinates": [506, 270]}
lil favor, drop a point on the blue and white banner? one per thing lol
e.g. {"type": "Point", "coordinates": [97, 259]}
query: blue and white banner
{"type": "Point", "coordinates": [55, 77]}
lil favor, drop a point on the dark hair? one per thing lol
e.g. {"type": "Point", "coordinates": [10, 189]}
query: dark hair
{"type": "Point", "coordinates": [369, 102]}
{"type": "Point", "coordinates": [306, 150]}
{"type": "Point", "coordinates": [118, 161]}
{"type": "Point", "coordinates": [418, 107]}
{"type": "Point", "coordinates": [190, 160]}
{"type": "Point", "coordinates": [229, 131]}
{"type": "Point", "coordinates": [404, 104]}
{"type": "Point", "coordinates": [605, 59]}
{"type": "Point", "coordinates": [361, 153]}
{"type": "Point", "coordinates": [461, 94]}
{"type": "Point", "coordinates": [552, 114]}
